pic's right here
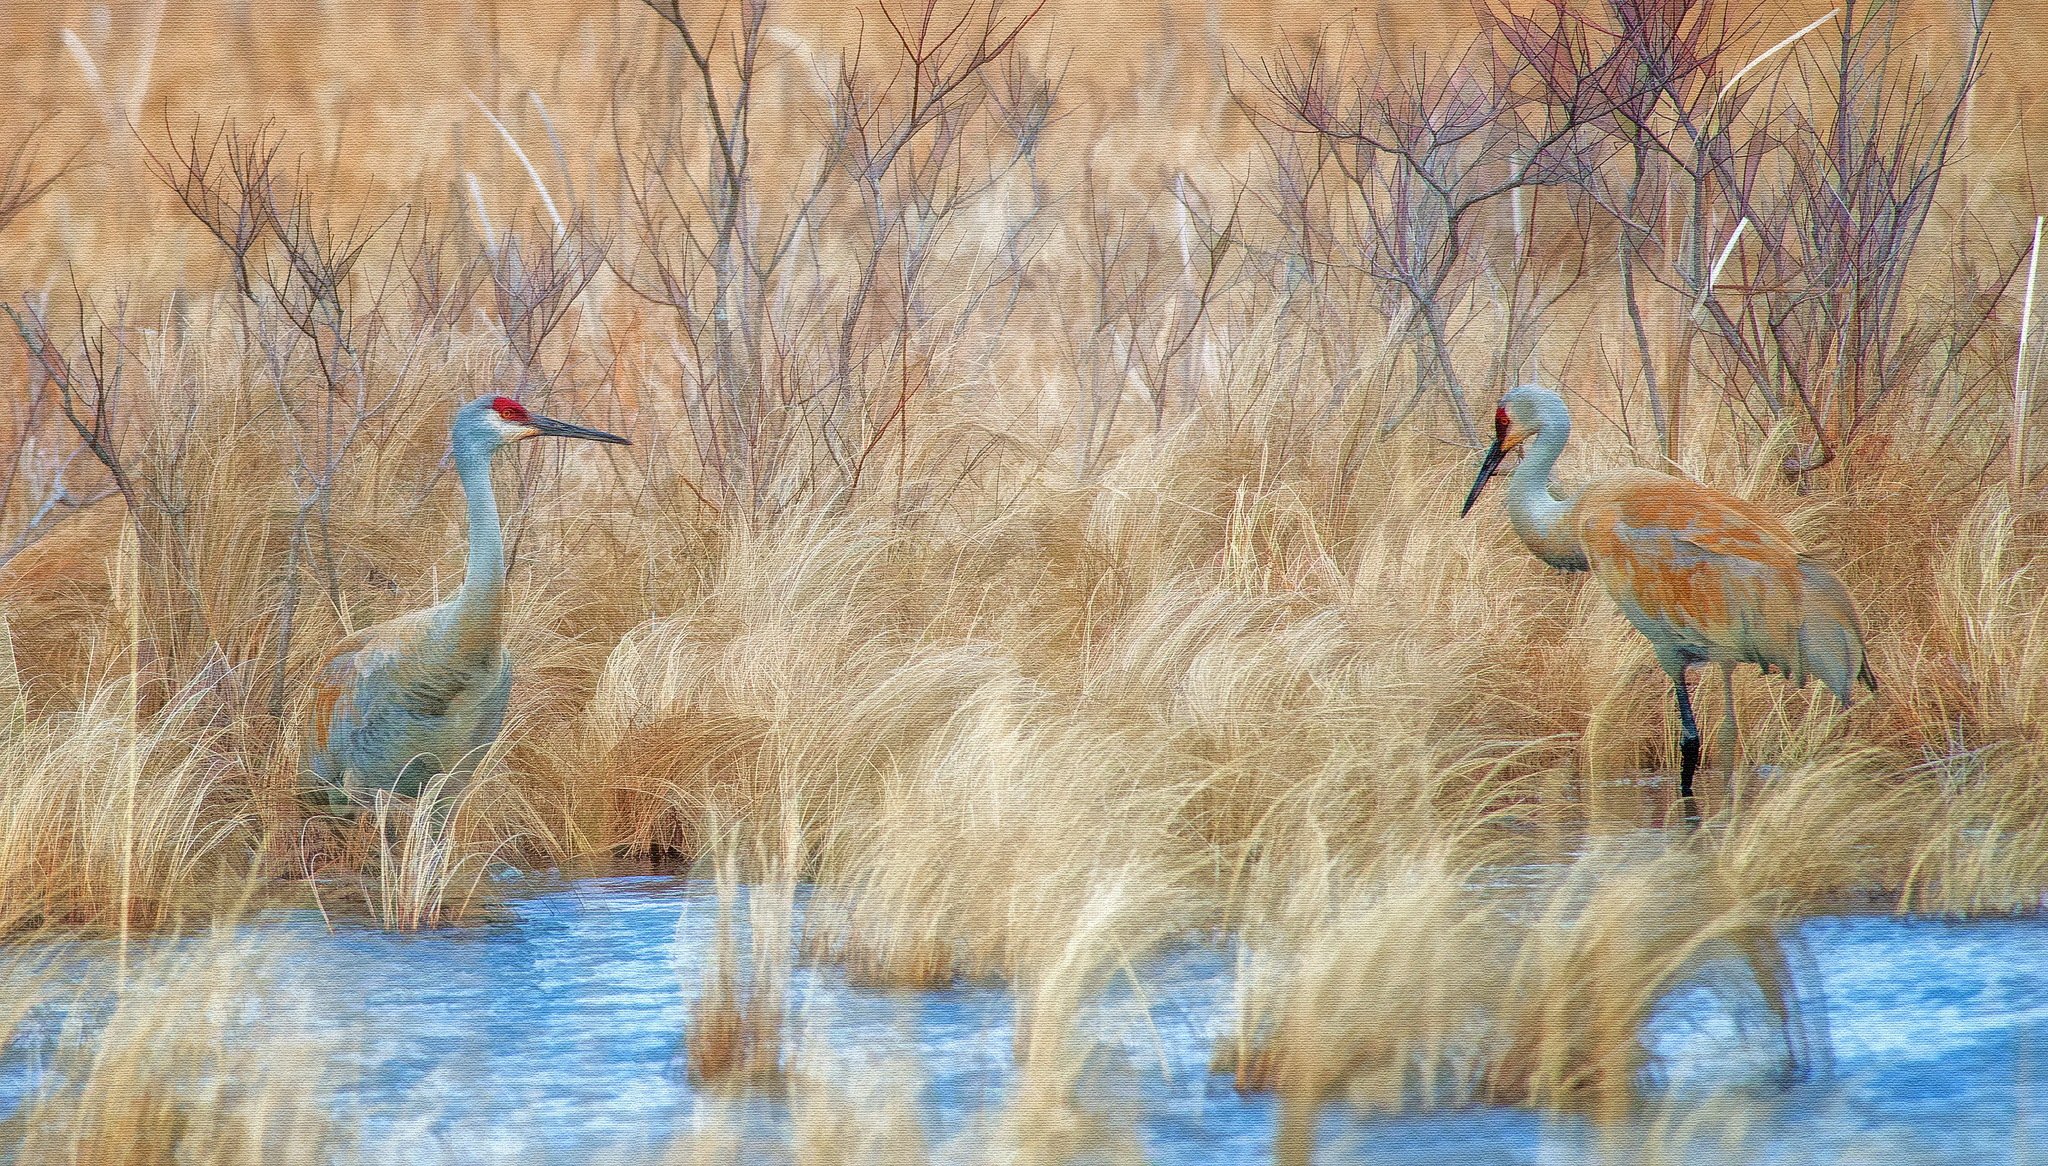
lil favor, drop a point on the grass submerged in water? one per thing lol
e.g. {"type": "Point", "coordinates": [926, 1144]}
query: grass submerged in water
{"type": "Point", "coordinates": [1067, 574]}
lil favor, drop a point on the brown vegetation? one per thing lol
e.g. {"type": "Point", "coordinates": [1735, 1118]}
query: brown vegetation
{"type": "Point", "coordinates": [1040, 533]}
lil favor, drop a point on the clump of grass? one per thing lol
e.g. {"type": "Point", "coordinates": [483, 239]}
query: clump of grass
{"type": "Point", "coordinates": [1412, 982]}
{"type": "Point", "coordinates": [424, 873]}
{"type": "Point", "coordinates": [737, 1034]}
{"type": "Point", "coordinates": [1983, 848]}
{"type": "Point", "coordinates": [1607, 942]}
{"type": "Point", "coordinates": [1991, 630]}
{"type": "Point", "coordinates": [1362, 981]}
{"type": "Point", "coordinates": [1824, 831]}
{"type": "Point", "coordinates": [109, 819]}
{"type": "Point", "coordinates": [735, 1037]}
{"type": "Point", "coordinates": [865, 1119]}
{"type": "Point", "coordinates": [178, 1068]}
{"type": "Point", "coordinates": [979, 855]}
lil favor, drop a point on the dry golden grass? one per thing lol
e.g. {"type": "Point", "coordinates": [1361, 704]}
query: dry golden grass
{"type": "Point", "coordinates": [735, 1036]}
{"type": "Point", "coordinates": [182, 1070]}
{"type": "Point", "coordinates": [106, 821]}
{"type": "Point", "coordinates": [1018, 707]}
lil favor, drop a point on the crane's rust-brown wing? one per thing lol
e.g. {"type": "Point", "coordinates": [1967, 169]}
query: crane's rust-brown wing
{"type": "Point", "coordinates": [361, 667]}
{"type": "Point", "coordinates": [1693, 567]}
{"type": "Point", "coordinates": [332, 682]}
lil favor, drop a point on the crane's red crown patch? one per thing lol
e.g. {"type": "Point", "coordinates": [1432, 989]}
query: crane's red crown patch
{"type": "Point", "coordinates": [511, 410]}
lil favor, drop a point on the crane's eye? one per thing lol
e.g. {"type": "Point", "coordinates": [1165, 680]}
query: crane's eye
{"type": "Point", "coordinates": [511, 410]}
{"type": "Point", "coordinates": [1500, 421]}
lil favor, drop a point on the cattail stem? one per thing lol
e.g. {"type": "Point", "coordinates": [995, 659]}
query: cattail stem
{"type": "Point", "coordinates": [532, 173]}
{"type": "Point", "coordinates": [1766, 55]}
{"type": "Point", "coordinates": [130, 565]}
{"type": "Point", "coordinates": [2021, 386]}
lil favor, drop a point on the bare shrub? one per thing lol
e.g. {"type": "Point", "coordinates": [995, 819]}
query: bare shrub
{"type": "Point", "coordinates": [1835, 168]}
{"type": "Point", "coordinates": [799, 283]}
{"type": "Point", "coordinates": [1407, 160]}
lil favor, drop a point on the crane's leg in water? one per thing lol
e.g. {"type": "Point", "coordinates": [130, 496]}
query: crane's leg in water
{"type": "Point", "coordinates": [1688, 742]}
{"type": "Point", "coordinates": [1724, 741]}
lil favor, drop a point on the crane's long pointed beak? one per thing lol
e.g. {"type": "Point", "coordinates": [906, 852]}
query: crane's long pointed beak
{"type": "Point", "coordinates": [1494, 454]}
{"type": "Point", "coordinates": [549, 427]}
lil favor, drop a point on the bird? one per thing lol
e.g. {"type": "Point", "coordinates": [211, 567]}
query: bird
{"type": "Point", "coordinates": [424, 693]}
{"type": "Point", "coordinates": [1706, 577]}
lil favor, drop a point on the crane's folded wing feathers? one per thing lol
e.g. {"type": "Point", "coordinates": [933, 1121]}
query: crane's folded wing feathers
{"type": "Point", "coordinates": [377, 690]}
{"type": "Point", "coordinates": [1699, 572]}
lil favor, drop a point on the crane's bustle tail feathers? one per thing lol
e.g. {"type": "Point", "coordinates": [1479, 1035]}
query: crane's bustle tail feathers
{"type": "Point", "coordinates": [1830, 633]}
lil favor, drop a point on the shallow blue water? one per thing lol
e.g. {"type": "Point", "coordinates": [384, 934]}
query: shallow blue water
{"type": "Point", "coordinates": [555, 1036]}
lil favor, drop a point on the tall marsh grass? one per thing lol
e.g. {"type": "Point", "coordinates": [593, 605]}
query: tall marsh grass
{"type": "Point", "coordinates": [1039, 540]}
{"type": "Point", "coordinates": [167, 1062]}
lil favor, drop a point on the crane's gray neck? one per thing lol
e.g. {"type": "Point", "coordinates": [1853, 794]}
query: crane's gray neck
{"type": "Point", "coordinates": [1540, 516]}
{"type": "Point", "coordinates": [483, 580]}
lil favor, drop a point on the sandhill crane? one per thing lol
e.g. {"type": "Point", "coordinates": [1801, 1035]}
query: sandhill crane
{"type": "Point", "coordinates": [425, 693]}
{"type": "Point", "coordinates": [1706, 577]}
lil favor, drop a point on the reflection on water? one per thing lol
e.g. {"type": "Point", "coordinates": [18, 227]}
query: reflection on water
{"type": "Point", "coordinates": [554, 1035]}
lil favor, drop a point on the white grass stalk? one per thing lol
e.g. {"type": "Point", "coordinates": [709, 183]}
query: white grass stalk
{"type": "Point", "coordinates": [1518, 214]}
{"type": "Point", "coordinates": [483, 213]}
{"type": "Point", "coordinates": [1766, 55]}
{"type": "Point", "coordinates": [93, 79]}
{"type": "Point", "coordinates": [796, 46]}
{"type": "Point", "coordinates": [145, 60]}
{"type": "Point", "coordinates": [1720, 262]}
{"type": "Point", "coordinates": [2021, 385]}
{"type": "Point", "coordinates": [1515, 217]}
{"type": "Point", "coordinates": [532, 173]}
{"type": "Point", "coordinates": [547, 125]}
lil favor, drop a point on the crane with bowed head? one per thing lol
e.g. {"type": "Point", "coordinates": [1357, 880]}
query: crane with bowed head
{"type": "Point", "coordinates": [1705, 577]}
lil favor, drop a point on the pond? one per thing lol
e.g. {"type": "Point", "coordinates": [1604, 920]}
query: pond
{"type": "Point", "coordinates": [555, 1035]}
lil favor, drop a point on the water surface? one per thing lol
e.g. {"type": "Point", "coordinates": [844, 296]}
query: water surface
{"type": "Point", "coordinates": [555, 1035]}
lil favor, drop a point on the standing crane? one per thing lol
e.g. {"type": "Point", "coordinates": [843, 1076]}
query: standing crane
{"type": "Point", "coordinates": [425, 693]}
{"type": "Point", "coordinates": [1704, 576]}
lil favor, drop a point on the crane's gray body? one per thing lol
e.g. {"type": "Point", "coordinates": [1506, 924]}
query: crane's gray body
{"type": "Point", "coordinates": [1704, 576]}
{"type": "Point", "coordinates": [425, 693]}
{"type": "Point", "coordinates": [403, 714]}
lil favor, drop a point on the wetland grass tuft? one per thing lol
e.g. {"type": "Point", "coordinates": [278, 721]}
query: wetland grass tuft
{"type": "Point", "coordinates": [1038, 546]}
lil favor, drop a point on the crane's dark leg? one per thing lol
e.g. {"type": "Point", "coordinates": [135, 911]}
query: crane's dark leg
{"type": "Point", "coordinates": [1688, 745]}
